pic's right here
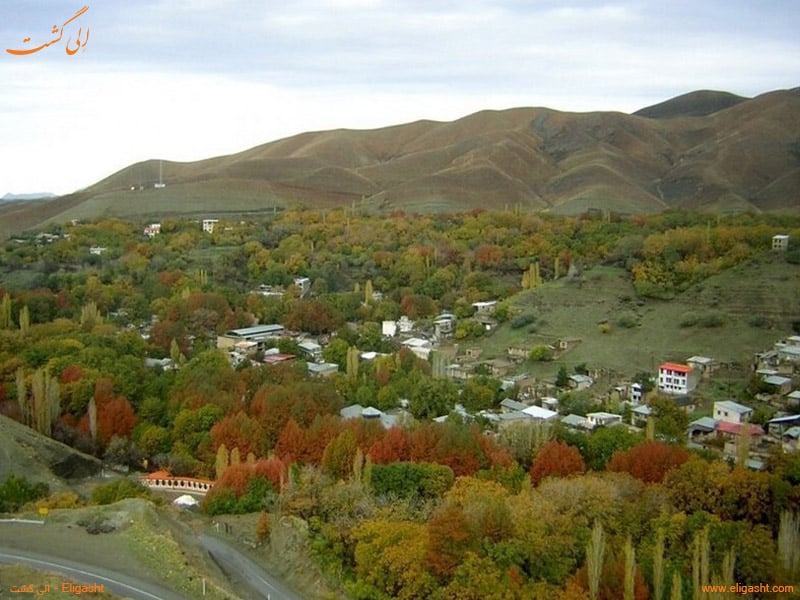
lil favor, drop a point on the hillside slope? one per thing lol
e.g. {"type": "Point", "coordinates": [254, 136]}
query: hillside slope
{"type": "Point", "coordinates": [704, 150]}
{"type": "Point", "coordinates": [23, 451]}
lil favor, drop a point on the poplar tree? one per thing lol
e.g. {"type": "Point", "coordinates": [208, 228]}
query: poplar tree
{"type": "Point", "coordinates": [221, 462]}
{"type": "Point", "coordinates": [352, 362]}
{"type": "Point", "coordinates": [368, 292]}
{"type": "Point", "coordinates": [630, 569]}
{"type": "Point", "coordinates": [658, 566]}
{"type": "Point", "coordinates": [676, 591]}
{"type": "Point", "coordinates": [93, 418]}
{"type": "Point", "coordinates": [789, 542]}
{"type": "Point", "coordinates": [5, 312]}
{"type": "Point", "coordinates": [700, 562]}
{"type": "Point", "coordinates": [22, 397]}
{"type": "Point", "coordinates": [595, 553]}
{"type": "Point", "coordinates": [90, 316]}
{"type": "Point", "coordinates": [24, 320]}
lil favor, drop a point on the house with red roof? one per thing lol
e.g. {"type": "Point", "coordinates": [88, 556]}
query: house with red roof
{"type": "Point", "coordinates": [677, 379]}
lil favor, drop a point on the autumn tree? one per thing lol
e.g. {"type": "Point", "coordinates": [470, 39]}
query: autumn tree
{"type": "Point", "coordinates": [313, 316]}
{"type": "Point", "coordinates": [390, 560]}
{"type": "Point", "coordinates": [115, 418]}
{"type": "Point", "coordinates": [239, 431]}
{"type": "Point", "coordinates": [450, 538]}
{"type": "Point", "coordinates": [649, 462]}
{"type": "Point", "coordinates": [556, 459]}
{"type": "Point", "coordinates": [291, 443]}
{"type": "Point", "coordinates": [337, 459]}
{"type": "Point", "coordinates": [392, 447]}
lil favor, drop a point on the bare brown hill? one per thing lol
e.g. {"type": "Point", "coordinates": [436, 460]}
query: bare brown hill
{"type": "Point", "coordinates": [704, 150]}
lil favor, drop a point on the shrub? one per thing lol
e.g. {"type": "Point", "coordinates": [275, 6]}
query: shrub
{"type": "Point", "coordinates": [17, 491]}
{"type": "Point", "coordinates": [60, 500]}
{"type": "Point", "coordinates": [628, 321]}
{"type": "Point", "coordinates": [759, 322]}
{"type": "Point", "coordinates": [708, 320]}
{"type": "Point", "coordinates": [407, 479]}
{"type": "Point", "coordinates": [541, 353]}
{"type": "Point", "coordinates": [711, 320]}
{"type": "Point", "coordinates": [118, 490]}
{"type": "Point", "coordinates": [264, 527]}
{"type": "Point", "coordinates": [220, 501]}
{"type": "Point", "coordinates": [522, 320]}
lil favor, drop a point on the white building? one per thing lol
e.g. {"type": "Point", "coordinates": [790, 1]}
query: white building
{"type": "Point", "coordinates": [389, 328]}
{"type": "Point", "coordinates": [636, 393]}
{"type": "Point", "coordinates": [599, 419]}
{"type": "Point", "coordinates": [540, 414]}
{"type": "Point", "coordinates": [731, 412]}
{"type": "Point", "coordinates": [208, 225]}
{"type": "Point", "coordinates": [152, 230]}
{"type": "Point", "coordinates": [485, 308]}
{"type": "Point", "coordinates": [420, 347]}
{"type": "Point", "coordinates": [780, 242]}
{"type": "Point", "coordinates": [676, 379]}
{"type": "Point", "coordinates": [303, 284]}
{"type": "Point", "coordinates": [311, 349]}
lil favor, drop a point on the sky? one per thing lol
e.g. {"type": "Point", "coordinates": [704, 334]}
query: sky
{"type": "Point", "coordinates": [184, 80]}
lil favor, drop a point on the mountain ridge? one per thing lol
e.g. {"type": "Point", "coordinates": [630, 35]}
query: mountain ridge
{"type": "Point", "coordinates": [705, 150]}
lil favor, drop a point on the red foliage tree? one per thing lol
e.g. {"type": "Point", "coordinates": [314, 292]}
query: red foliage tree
{"type": "Point", "coordinates": [236, 477]}
{"type": "Point", "coordinates": [556, 459]}
{"type": "Point", "coordinates": [649, 462]}
{"type": "Point", "coordinates": [239, 431]}
{"type": "Point", "coordinates": [458, 448]}
{"type": "Point", "coordinates": [115, 417]}
{"type": "Point", "coordinates": [273, 469]}
{"type": "Point", "coordinates": [367, 432]}
{"type": "Point", "coordinates": [324, 429]}
{"type": "Point", "coordinates": [393, 447]}
{"type": "Point", "coordinates": [291, 442]}
{"type": "Point", "coordinates": [71, 374]}
{"type": "Point", "coordinates": [489, 255]}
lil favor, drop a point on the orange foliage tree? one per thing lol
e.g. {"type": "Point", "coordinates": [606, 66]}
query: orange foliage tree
{"type": "Point", "coordinates": [450, 538]}
{"type": "Point", "coordinates": [239, 431]}
{"type": "Point", "coordinates": [649, 462]}
{"type": "Point", "coordinates": [556, 459]}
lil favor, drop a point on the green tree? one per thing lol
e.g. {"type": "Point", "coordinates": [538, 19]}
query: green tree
{"type": "Point", "coordinates": [337, 459]}
{"type": "Point", "coordinates": [562, 377]}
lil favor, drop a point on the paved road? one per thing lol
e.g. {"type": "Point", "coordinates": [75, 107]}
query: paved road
{"type": "Point", "coordinates": [244, 571]}
{"type": "Point", "coordinates": [118, 583]}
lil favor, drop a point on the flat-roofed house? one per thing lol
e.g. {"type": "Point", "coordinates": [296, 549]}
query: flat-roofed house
{"type": "Point", "coordinates": [704, 365]}
{"type": "Point", "coordinates": [256, 333]}
{"type": "Point", "coordinates": [732, 412]}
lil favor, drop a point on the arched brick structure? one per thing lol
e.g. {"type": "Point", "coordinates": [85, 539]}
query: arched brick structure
{"type": "Point", "coordinates": [161, 480]}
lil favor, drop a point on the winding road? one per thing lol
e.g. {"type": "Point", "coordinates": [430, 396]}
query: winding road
{"type": "Point", "coordinates": [239, 568]}
{"type": "Point", "coordinates": [115, 582]}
